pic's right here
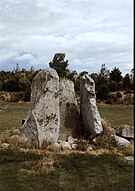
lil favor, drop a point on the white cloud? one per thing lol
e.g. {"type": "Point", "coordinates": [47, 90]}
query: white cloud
{"type": "Point", "coordinates": [90, 32]}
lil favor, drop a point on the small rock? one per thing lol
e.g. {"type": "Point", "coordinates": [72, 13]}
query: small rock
{"type": "Point", "coordinates": [121, 141]}
{"type": "Point", "coordinates": [71, 140]}
{"type": "Point", "coordinates": [74, 146]}
{"type": "Point", "coordinates": [125, 131]}
{"type": "Point", "coordinates": [16, 132]}
{"type": "Point", "coordinates": [89, 149]}
{"type": "Point", "coordinates": [5, 145]}
{"type": "Point", "coordinates": [65, 145]}
{"type": "Point", "coordinates": [54, 147]}
{"type": "Point", "coordinates": [129, 160]}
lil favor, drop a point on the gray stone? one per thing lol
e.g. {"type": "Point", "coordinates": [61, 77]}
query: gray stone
{"type": "Point", "coordinates": [74, 146]}
{"type": "Point", "coordinates": [65, 145]}
{"type": "Point", "coordinates": [89, 148]}
{"type": "Point", "coordinates": [43, 119]}
{"type": "Point", "coordinates": [125, 131]}
{"type": "Point", "coordinates": [54, 147]}
{"type": "Point", "coordinates": [16, 132]}
{"type": "Point", "coordinates": [129, 160]}
{"type": "Point", "coordinates": [90, 116]}
{"type": "Point", "coordinates": [121, 141]}
{"type": "Point", "coordinates": [70, 124]}
{"type": "Point", "coordinates": [71, 140]}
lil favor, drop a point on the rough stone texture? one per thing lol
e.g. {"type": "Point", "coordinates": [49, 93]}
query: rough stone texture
{"type": "Point", "coordinates": [69, 115]}
{"type": "Point", "coordinates": [43, 120]}
{"type": "Point", "coordinates": [54, 147]}
{"type": "Point", "coordinates": [90, 116]}
{"type": "Point", "coordinates": [65, 145]}
{"type": "Point", "coordinates": [129, 160]}
{"type": "Point", "coordinates": [125, 131]}
{"type": "Point", "coordinates": [121, 141]}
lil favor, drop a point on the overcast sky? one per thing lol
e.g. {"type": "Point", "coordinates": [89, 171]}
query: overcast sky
{"type": "Point", "coordinates": [89, 32]}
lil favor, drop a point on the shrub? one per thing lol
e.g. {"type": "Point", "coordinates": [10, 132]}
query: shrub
{"type": "Point", "coordinates": [103, 91]}
{"type": "Point", "coordinates": [112, 98]}
{"type": "Point", "coordinates": [128, 91]}
{"type": "Point", "coordinates": [118, 94]}
{"type": "Point", "coordinates": [18, 96]}
{"type": "Point", "coordinates": [82, 144]}
{"type": "Point", "coordinates": [106, 139]}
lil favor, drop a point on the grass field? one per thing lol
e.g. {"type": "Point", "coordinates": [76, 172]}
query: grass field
{"type": "Point", "coordinates": [12, 113]}
{"type": "Point", "coordinates": [71, 172]}
{"type": "Point", "coordinates": [101, 170]}
{"type": "Point", "coordinates": [117, 114]}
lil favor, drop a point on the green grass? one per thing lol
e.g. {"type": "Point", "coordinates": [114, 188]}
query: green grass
{"type": "Point", "coordinates": [117, 114]}
{"type": "Point", "coordinates": [11, 115]}
{"type": "Point", "coordinates": [72, 171]}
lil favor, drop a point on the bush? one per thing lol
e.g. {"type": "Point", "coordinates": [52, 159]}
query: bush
{"type": "Point", "coordinates": [102, 92]}
{"type": "Point", "coordinates": [112, 98]}
{"type": "Point", "coordinates": [128, 91]}
{"type": "Point", "coordinates": [118, 94]}
{"type": "Point", "coordinates": [18, 96]}
{"type": "Point", "coordinates": [105, 139]}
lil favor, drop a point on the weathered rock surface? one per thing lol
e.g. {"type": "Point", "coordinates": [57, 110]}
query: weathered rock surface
{"type": "Point", "coordinates": [90, 116]}
{"type": "Point", "coordinates": [125, 131]}
{"type": "Point", "coordinates": [65, 145]}
{"type": "Point", "coordinates": [43, 120]}
{"type": "Point", "coordinates": [129, 160]}
{"type": "Point", "coordinates": [121, 141]}
{"type": "Point", "coordinates": [70, 124]}
{"type": "Point", "coordinates": [54, 147]}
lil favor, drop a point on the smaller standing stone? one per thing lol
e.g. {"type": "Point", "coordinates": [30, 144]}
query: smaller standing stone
{"type": "Point", "coordinates": [70, 124]}
{"type": "Point", "coordinates": [90, 116]}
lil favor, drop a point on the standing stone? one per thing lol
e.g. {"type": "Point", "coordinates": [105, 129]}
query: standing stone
{"type": "Point", "coordinates": [69, 115]}
{"type": "Point", "coordinates": [43, 120]}
{"type": "Point", "coordinates": [91, 120]}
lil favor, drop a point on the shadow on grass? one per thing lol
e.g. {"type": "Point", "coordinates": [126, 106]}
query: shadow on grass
{"type": "Point", "coordinates": [74, 171]}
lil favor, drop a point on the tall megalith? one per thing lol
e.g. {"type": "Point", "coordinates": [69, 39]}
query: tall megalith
{"type": "Point", "coordinates": [43, 119]}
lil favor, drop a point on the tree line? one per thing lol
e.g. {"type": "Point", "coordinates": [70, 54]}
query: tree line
{"type": "Point", "coordinates": [19, 80]}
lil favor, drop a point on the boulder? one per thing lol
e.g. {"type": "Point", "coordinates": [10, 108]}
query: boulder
{"type": "Point", "coordinates": [121, 141]}
{"type": "Point", "coordinates": [43, 119]}
{"type": "Point", "coordinates": [90, 116]}
{"type": "Point", "coordinates": [129, 160]}
{"type": "Point", "coordinates": [70, 124]}
{"type": "Point", "coordinates": [54, 147]}
{"type": "Point", "coordinates": [125, 131]}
